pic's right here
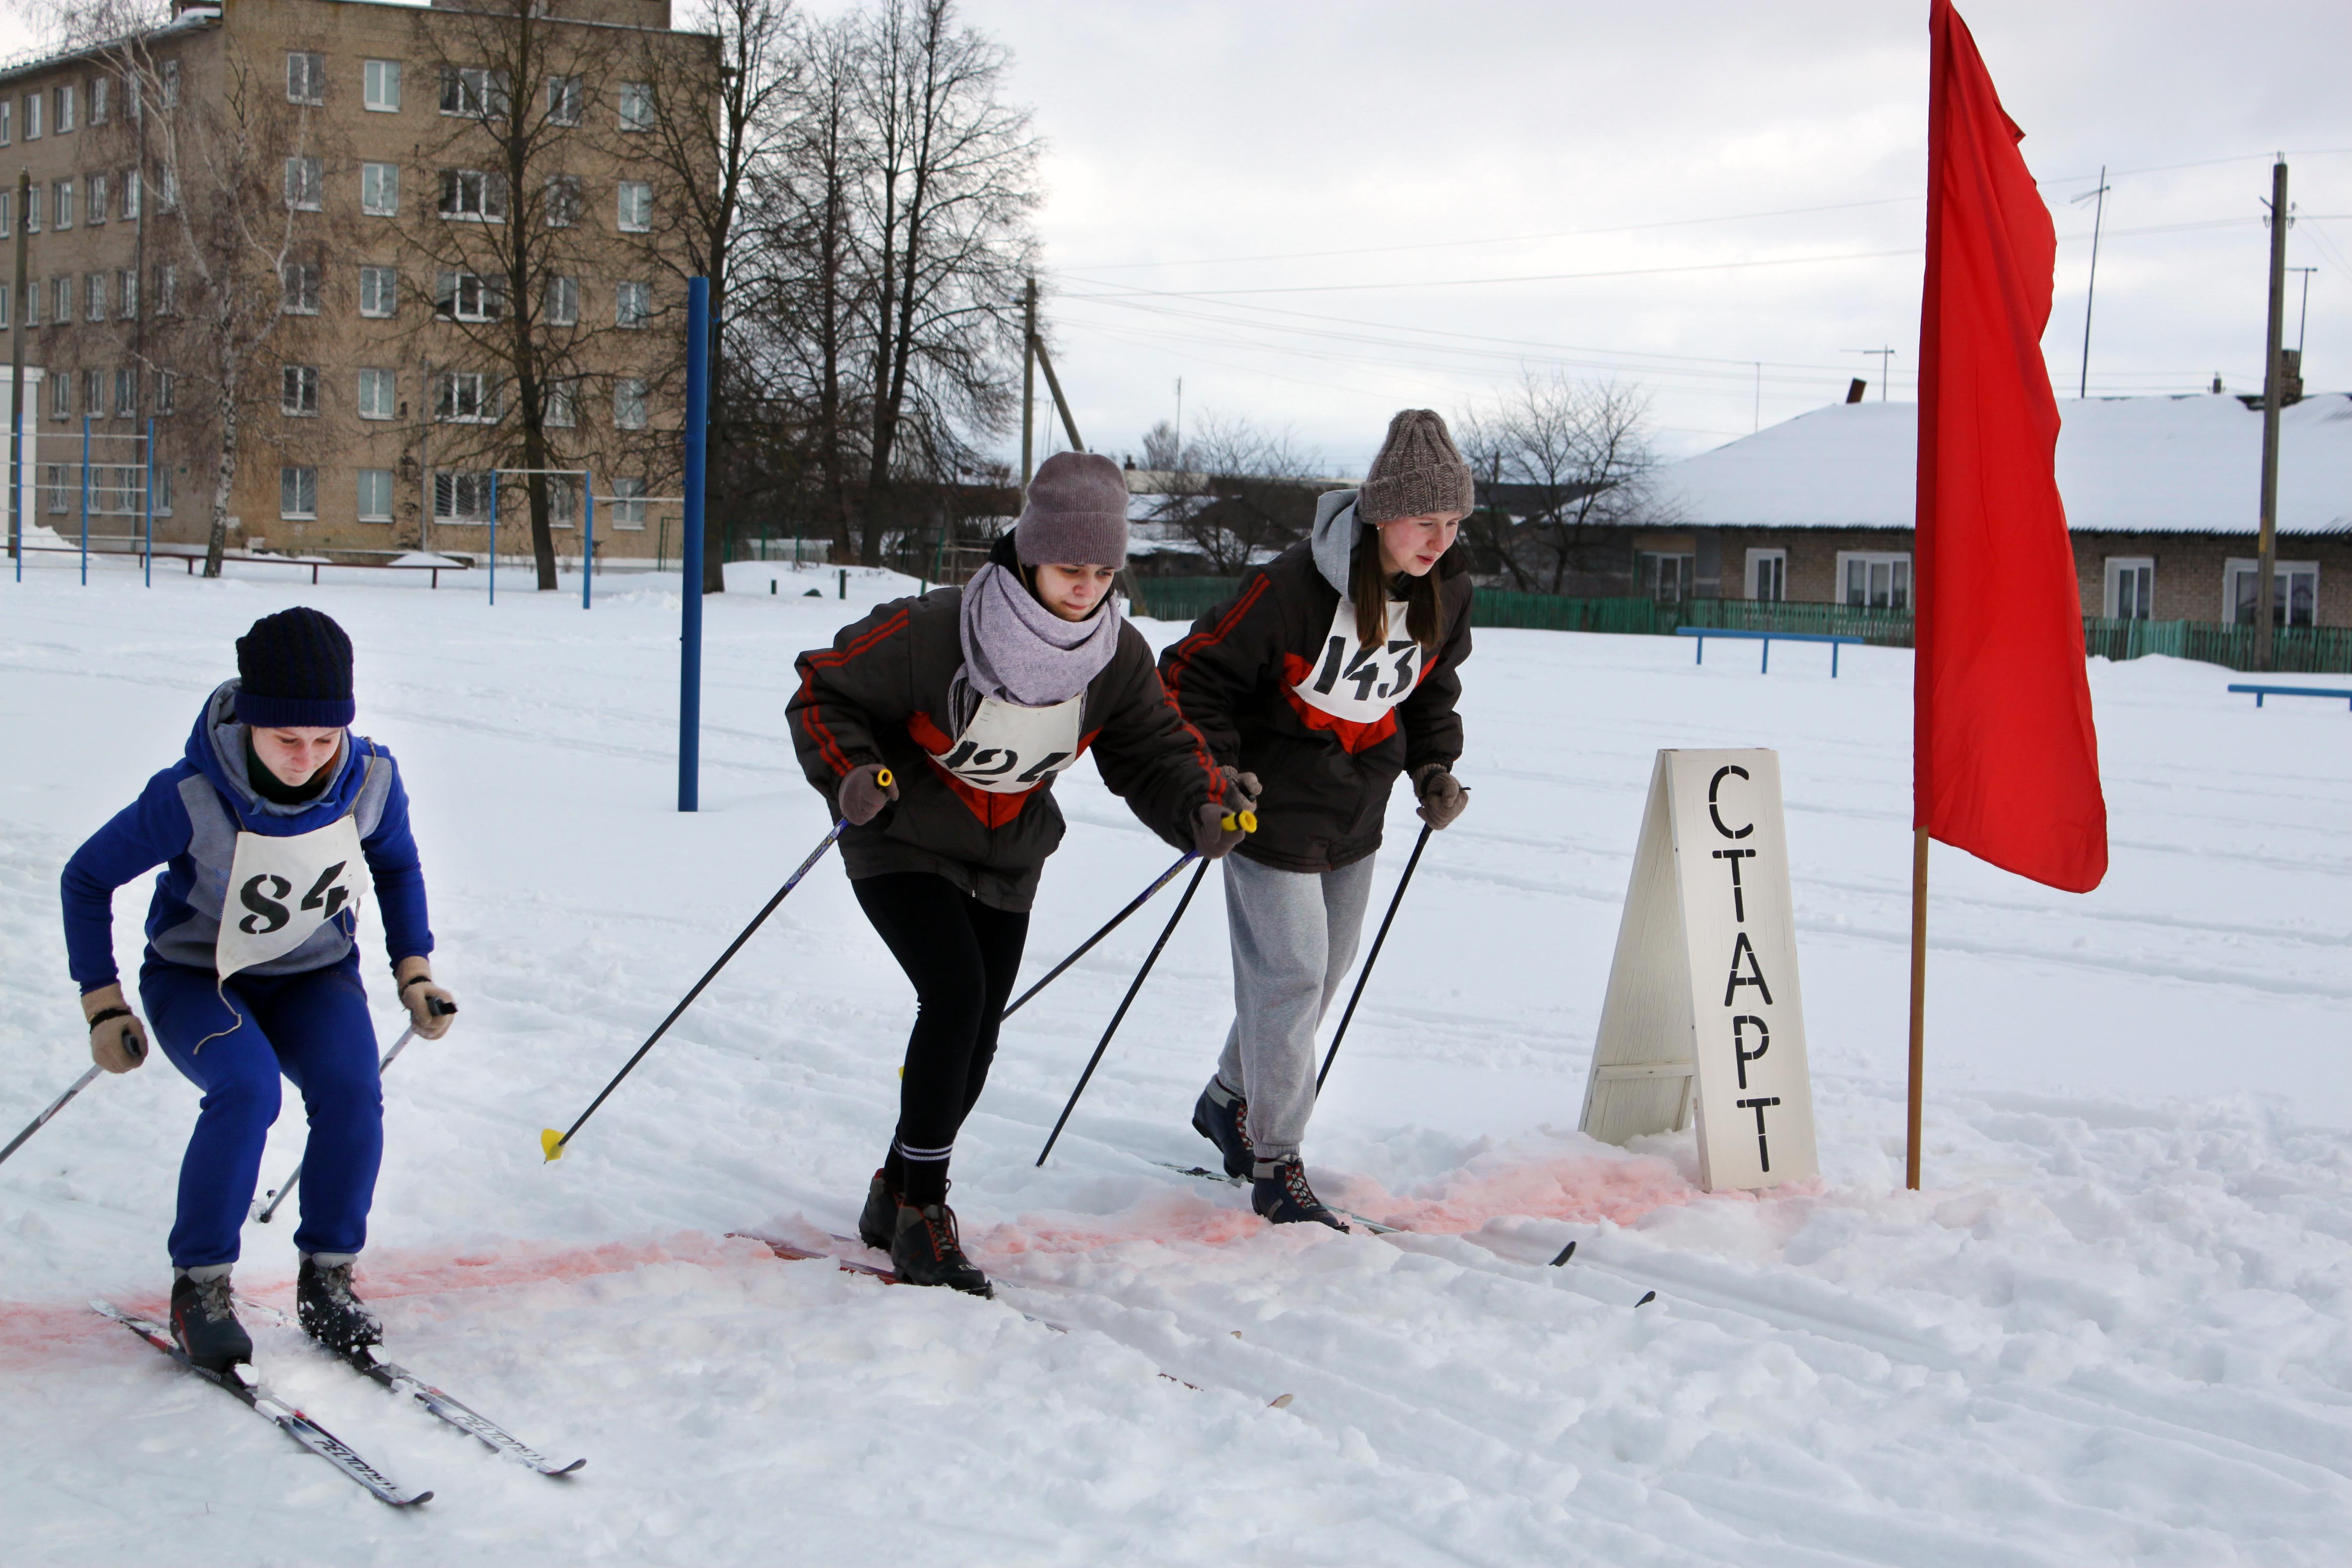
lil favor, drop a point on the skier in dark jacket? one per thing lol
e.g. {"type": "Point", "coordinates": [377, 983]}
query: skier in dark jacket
{"type": "Point", "coordinates": [1334, 669]}
{"type": "Point", "coordinates": [251, 969]}
{"type": "Point", "coordinates": [935, 726]}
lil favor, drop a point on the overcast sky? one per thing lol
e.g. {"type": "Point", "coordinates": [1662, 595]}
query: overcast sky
{"type": "Point", "coordinates": [1197, 149]}
{"type": "Point", "coordinates": [1726, 183]}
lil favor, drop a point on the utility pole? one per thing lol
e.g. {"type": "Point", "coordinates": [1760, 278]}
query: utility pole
{"type": "Point", "coordinates": [2273, 387]}
{"type": "Point", "coordinates": [2303, 321]}
{"type": "Point", "coordinates": [1885, 364]}
{"type": "Point", "coordinates": [2098, 218]}
{"type": "Point", "coordinates": [1028, 375]}
{"type": "Point", "coordinates": [16, 383]}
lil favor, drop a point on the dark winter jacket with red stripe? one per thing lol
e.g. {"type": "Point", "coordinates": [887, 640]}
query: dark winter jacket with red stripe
{"type": "Point", "coordinates": [1277, 689]}
{"type": "Point", "coordinates": [880, 695]}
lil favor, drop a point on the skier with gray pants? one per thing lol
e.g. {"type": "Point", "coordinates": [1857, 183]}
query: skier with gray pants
{"type": "Point", "coordinates": [1336, 667]}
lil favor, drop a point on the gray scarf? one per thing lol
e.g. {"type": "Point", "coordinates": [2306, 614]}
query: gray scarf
{"type": "Point", "coordinates": [1018, 651]}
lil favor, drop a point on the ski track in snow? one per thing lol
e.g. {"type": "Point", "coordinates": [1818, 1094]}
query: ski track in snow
{"type": "Point", "coordinates": [2114, 1328]}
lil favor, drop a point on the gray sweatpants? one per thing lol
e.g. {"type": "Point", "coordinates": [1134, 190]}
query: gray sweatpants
{"type": "Point", "coordinates": [1294, 936]}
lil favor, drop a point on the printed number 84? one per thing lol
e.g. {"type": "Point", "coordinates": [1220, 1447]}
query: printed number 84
{"type": "Point", "coordinates": [1365, 669]}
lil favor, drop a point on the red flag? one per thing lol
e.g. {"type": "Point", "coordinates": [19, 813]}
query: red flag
{"type": "Point", "coordinates": [2005, 763]}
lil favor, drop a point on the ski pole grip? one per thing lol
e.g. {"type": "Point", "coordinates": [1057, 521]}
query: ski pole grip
{"type": "Point", "coordinates": [1244, 820]}
{"type": "Point", "coordinates": [882, 779]}
{"type": "Point", "coordinates": [440, 1009]}
{"type": "Point", "coordinates": [131, 1047]}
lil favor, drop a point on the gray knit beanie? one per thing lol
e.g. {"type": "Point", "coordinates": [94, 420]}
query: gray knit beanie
{"type": "Point", "coordinates": [1075, 512]}
{"type": "Point", "coordinates": [1419, 471]}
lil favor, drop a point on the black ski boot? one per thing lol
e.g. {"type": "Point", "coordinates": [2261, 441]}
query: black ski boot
{"type": "Point", "coordinates": [1280, 1193]}
{"type": "Point", "coordinates": [330, 1314]}
{"type": "Point", "coordinates": [204, 1320]}
{"type": "Point", "coordinates": [1226, 1126]}
{"type": "Point", "coordinates": [926, 1250]}
{"type": "Point", "coordinates": [879, 1222]}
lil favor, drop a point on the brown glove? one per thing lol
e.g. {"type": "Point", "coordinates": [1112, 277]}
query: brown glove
{"type": "Point", "coordinates": [1442, 794]}
{"type": "Point", "coordinates": [118, 1040]}
{"type": "Point", "coordinates": [430, 1008]}
{"type": "Point", "coordinates": [1212, 837]}
{"type": "Point", "coordinates": [1242, 791]}
{"type": "Point", "coordinates": [863, 792]}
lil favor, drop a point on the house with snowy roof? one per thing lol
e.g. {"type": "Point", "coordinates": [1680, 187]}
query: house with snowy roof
{"type": "Point", "coordinates": [2162, 498]}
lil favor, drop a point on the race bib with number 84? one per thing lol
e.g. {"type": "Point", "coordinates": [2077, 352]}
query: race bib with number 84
{"type": "Point", "coordinates": [281, 889]}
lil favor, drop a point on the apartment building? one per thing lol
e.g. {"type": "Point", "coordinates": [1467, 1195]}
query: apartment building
{"type": "Point", "coordinates": [401, 254]}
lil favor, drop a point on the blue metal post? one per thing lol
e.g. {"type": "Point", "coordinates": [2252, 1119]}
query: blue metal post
{"type": "Point", "coordinates": [588, 537]}
{"type": "Point", "coordinates": [149, 501]}
{"type": "Point", "coordinates": [689, 642]}
{"type": "Point", "coordinates": [494, 536]}
{"type": "Point", "coordinates": [85, 500]}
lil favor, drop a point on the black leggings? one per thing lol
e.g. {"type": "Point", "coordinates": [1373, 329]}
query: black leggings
{"type": "Point", "coordinates": [962, 957]}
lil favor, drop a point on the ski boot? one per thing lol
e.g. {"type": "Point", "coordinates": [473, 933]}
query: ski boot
{"type": "Point", "coordinates": [203, 1319]}
{"type": "Point", "coordinates": [1226, 1125]}
{"type": "Point", "coordinates": [1280, 1193]}
{"type": "Point", "coordinates": [926, 1250]}
{"type": "Point", "coordinates": [878, 1221]}
{"type": "Point", "coordinates": [330, 1313]}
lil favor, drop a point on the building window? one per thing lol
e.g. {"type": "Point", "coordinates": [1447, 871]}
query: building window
{"type": "Point", "coordinates": [462, 496]}
{"type": "Point", "coordinates": [636, 106]}
{"type": "Point", "coordinates": [376, 400]}
{"type": "Point", "coordinates": [299, 390]}
{"type": "Point", "coordinates": [301, 289]}
{"type": "Point", "coordinates": [2294, 592]}
{"type": "Point", "coordinates": [564, 97]}
{"type": "Point", "coordinates": [466, 397]}
{"type": "Point", "coordinates": [631, 303]}
{"type": "Point", "coordinates": [168, 191]}
{"type": "Point", "coordinates": [379, 291]}
{"type": "Point", "coordinates": [167, 387]}
{"type": "Point", "coordinates": [65, 108]}
{"type": "Point", "coordinates": [93, 393]}
{"type": "Point", "coordinates": [130, 193]}
{"type": "Point", "coordinates": [53, 482]}
{"type": "Point", "coordinates": [32, 117]}
{"type": "Point", "coordinates": [1873, 582]}
{"type": "Point", "coordinates": [380, 86]}
{"type": "Point", "coordinates": [171, 84]}
{"type": "Point", "coordinates": [4, 305]}
{"type": "Point", "coordinates": [1665, 577]}
{"type": "Point", "coordinates": [98, 105]}
{"type": "Point", "coordinates": [32, 209]}
{"type": "Point", "coordinates": [2131, 588]}
{"type": "Point", "coordinates": [1767, 575]}
{"type": "Point", "coordinates": [629, 404]}
{"type": "Point", "coordinates": [379, 189]}
{"type": "Point", "coordinates": [162, 487]}
{"type": "Point", "coordinates": [470, 296]}
{"type": "Point", "coordinates": [60, 300]}
{"type": "Point", "coordinates": [97, 208]}
{"type": "Point", "coordinates": [562, 398]}
{"type": "Point", "coordinates": [562, 303]}
{"type": "Point", "coordinates": [61, 204]}
{"type": "Point", "coordinates": [306, 78]}
{"type": "Point", "coordinates": [7, 119]}
{"type": "Point", "coordinates": [297, 492]}
{"type": "Point", "coordinates": [61, 394]}
{"type": "Point", "coordinates": [93, 308]}
{"type": "Point", "coordinates": [167, 290]}
{"type": "Point", "coordinates": [473, 194]}
{"type": "Point", "coordinates": [126, 288]}
{"type": "Point", "coordinates": [7, 213]}
{"type": "Point", "coordinates": [636, 206]}
{"type": "Point", "coordinates": [375, 494]}
{"type": "Point", "coordinates": [32, 304]}
{"type": "Point", "coordinates": [472, 92]}
{"type": "Point", "coordinates": [628, 503]}
{"type": "Point", "coordinates": [562, 200]}
{"type": "Point", "coordinates": [306, 184]}
{"type": "Point", "coordinates": [126, 392]}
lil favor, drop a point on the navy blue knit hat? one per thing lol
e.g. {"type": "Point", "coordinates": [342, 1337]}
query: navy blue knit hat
{"type": "Point", "coordinates": [295, 670]}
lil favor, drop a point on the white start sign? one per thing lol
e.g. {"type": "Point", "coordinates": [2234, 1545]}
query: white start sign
{"type": "Point", "coordinates": [281, 889]}
{"type": "Point", "coordinates": [1703, 1015]}
{"type": "Point", "coordinates": [1356, 683]}
{"type": "Point", "coordinates": [1009, 750]}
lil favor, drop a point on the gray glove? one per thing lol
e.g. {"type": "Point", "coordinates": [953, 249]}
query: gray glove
{"type": "Point", "coordinates": [1243, 791]}
{"type": "Point", "coordinates": [1441, 793]}
{"type": "Point", "coordinates": [1216, 830]}
{"type": "Point", "coordinates": [865, 790]}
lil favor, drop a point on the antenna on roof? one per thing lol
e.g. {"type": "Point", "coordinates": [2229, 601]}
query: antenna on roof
{"type": "Point", "coordinates": [1886, 359]}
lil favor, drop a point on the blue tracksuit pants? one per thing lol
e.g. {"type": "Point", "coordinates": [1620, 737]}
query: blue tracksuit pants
{"type": "Point", "coordinates": [312, 1027]}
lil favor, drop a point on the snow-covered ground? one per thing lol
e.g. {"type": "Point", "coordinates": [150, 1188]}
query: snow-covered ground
{"type": "Point", "coordinates": [2112, 1330]}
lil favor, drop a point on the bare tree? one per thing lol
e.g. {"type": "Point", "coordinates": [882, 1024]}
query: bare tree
{"type": "Point", "coordinates": [1491, 531]}
{"type": "Point", "coordinates": [1238, 493]}
{"type": "Point", "coordinates": [1160, 447]}
{"type": "Point", "coordinates": [1571, 460]}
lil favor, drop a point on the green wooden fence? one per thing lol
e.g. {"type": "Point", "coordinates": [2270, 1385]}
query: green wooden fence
{"type": "Point", "coordinates": [2302, 650]}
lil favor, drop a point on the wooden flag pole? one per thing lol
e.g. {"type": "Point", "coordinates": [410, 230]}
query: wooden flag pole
{"type": "Point", "coordinates": [1918, 1002]}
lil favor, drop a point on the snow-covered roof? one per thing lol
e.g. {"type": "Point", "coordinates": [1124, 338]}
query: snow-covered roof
{"type": "Point", "coordinates": [2164, 465]}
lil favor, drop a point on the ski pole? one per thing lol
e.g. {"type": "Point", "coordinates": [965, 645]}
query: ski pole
{"type": "Point", "coordinates": [130, 1043]}
{"type": "Point", "coordinates": [1246, 821]}
{"type": "Point", "coordinates": [432, 1004]}
{"type": "Point", "coordinates": [551, 1141]}
{"type": "Point", "coordinates": [1140, 975]}
{"type": "Point", "coordinates": [1374, 957]}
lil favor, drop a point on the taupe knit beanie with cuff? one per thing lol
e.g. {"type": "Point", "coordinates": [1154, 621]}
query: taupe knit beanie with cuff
{"type": "Point", "coordinates": [1075, 513]}
{"type": "Point", "coordinates": [1419, 471]}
